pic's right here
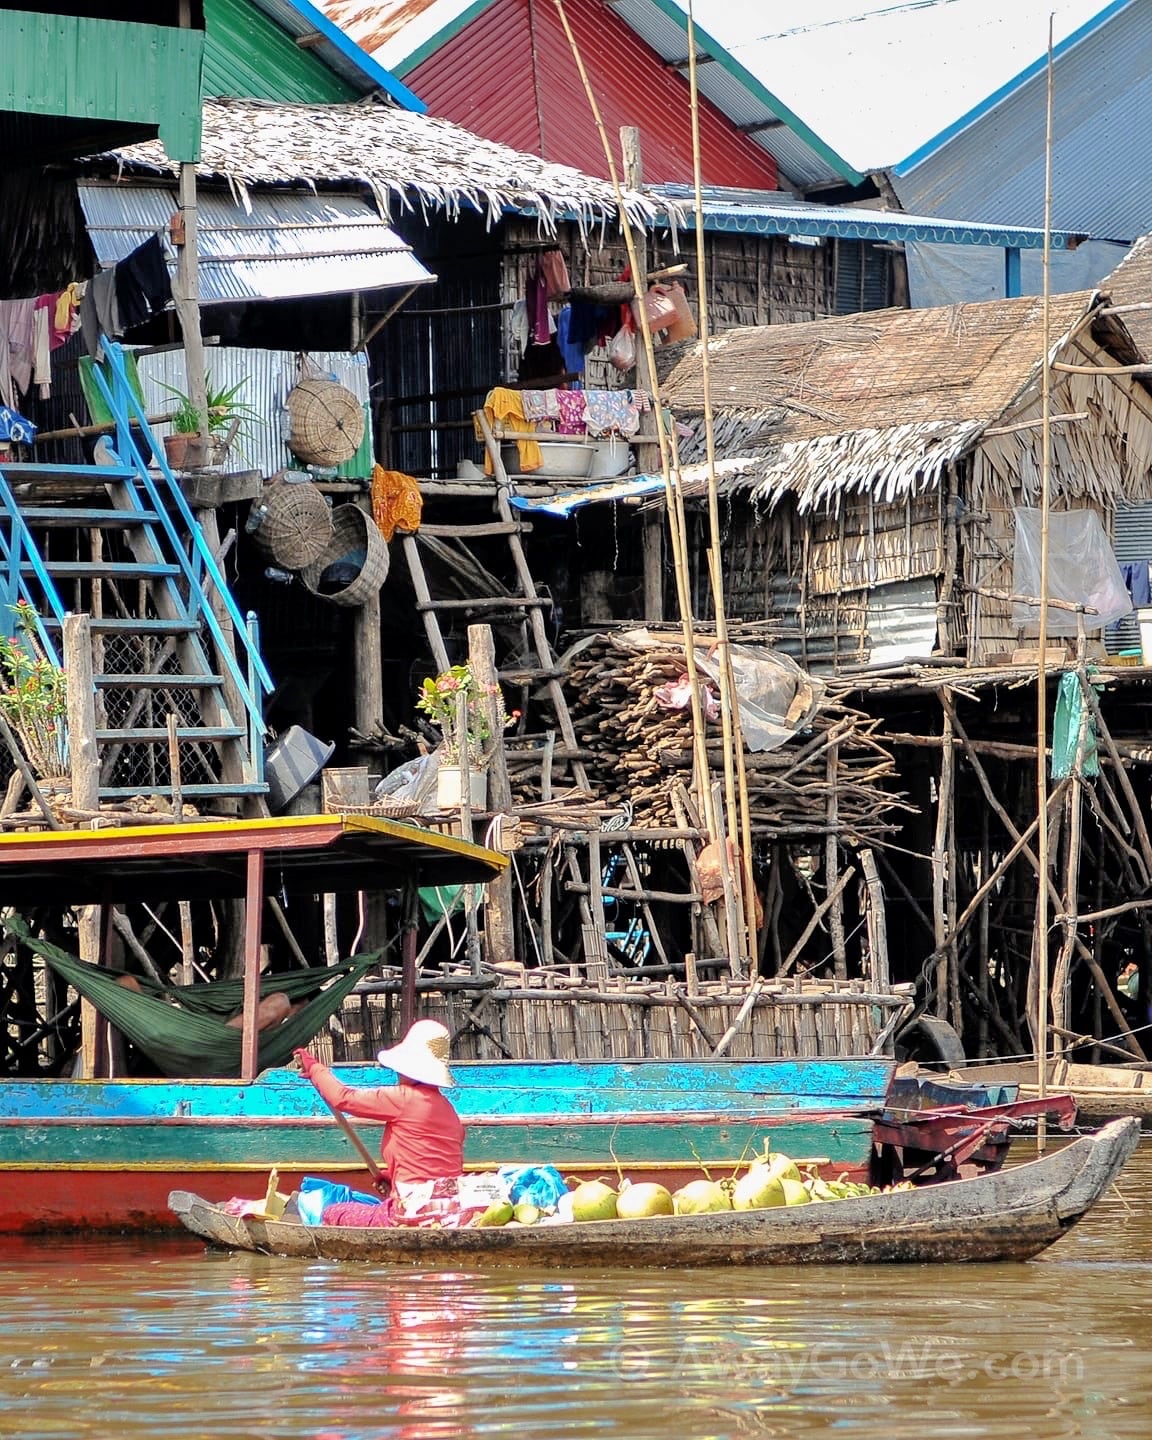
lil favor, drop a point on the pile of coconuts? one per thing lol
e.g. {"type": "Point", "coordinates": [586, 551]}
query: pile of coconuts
{"type": "Point", "coordinates": [770, 1182]}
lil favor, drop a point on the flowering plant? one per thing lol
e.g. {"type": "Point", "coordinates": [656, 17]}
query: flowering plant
{"type": "Point", "coordinates": [34, 697]}
{"type": "Point", "coordinates": [439, 699]}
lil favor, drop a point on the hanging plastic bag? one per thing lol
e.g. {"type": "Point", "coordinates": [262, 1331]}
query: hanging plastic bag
{"type": "Point", "coordinates": [622, 349]}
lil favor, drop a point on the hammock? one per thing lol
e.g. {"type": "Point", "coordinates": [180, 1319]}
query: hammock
{"type": "Point", "coordinates": [181, 1027]}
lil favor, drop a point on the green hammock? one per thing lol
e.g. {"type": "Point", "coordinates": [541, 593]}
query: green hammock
{"type": "Point", "coordinates": [181, 1027]}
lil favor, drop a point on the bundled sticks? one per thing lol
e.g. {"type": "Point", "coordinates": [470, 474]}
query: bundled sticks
{"type": "Point", "coordinates": [640, 751]}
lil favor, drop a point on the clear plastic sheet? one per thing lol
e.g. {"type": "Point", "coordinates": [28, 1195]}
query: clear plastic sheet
{"type": "Point", "coordinates": [1082, 569]}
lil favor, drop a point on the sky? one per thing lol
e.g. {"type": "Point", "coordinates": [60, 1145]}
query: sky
{"type": "Point", "coordinates": [885, 75]}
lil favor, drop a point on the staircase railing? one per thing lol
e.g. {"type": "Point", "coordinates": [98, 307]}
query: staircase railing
{"type": "Point", "coordinates": [127, 410]}
{"type": "Point", "coordinates": [18, 546]}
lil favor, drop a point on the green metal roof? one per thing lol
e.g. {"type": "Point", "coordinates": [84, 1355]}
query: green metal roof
{"type": "Point", "coordinates": [76, 66]}
{"type": "Point", "coordinates": [249, 57]}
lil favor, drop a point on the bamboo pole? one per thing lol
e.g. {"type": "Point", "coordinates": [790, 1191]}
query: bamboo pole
{"type": "Point", "coordinates": [1042, 649]}
{"type": "Point", "coordinates": [672, 485]}
{"type": "Point", "coordinates": [739, 822]}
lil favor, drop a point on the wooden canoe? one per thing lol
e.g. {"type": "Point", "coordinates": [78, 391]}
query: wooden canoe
{"type": "Point", "coordinates": [1009, 1215]}
{"type": "Point", "coordinates": [1100, 1091]}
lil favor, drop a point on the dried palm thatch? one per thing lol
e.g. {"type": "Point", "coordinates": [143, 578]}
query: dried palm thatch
{"type": "Point", "coordinates": [878, 405]}
{"type": "Point", "coordinates": [407, 161]}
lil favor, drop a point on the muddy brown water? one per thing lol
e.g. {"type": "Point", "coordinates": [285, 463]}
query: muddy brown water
{"type": "Point", "coordinates": [120, 1340]}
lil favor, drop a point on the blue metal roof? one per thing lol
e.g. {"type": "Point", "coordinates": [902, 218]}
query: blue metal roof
{"type": "Point", "coordinates": [748, 212]}
{"type": "Point", "coordinates": [342, 55]}
{"type": "Point", "coordinates": [990, 164]}
{"type": "Point", "coordinates": [1038, 67]}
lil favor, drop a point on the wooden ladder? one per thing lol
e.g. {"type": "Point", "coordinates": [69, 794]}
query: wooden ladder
{"type": "Point", "coordinates": [526, 605]}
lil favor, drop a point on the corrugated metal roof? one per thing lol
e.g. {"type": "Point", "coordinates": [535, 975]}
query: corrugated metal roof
{"type": "Point", "coordinates": [283, 246]}
{"type": "Point", "coordinates": [338, 51]}
{"type": "Point", "coordinates": [991, 164]}
{"type": "Point", "coordinates": [408, 33]}
{"type": "Point", "coordinates": [752, 212]}
{"type": "Point", "coordinates": [509, 75]}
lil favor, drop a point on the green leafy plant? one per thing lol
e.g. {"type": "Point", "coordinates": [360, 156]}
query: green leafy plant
{"type": "Point", "coordinates": [439, 698]}
{"type": "Point", "coordinates": [224, 407]}
{"type": "Point", "coordinates": [34, 697]}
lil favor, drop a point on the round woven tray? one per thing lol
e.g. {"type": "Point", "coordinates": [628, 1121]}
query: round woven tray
{"type": "Point", "coordinates": [326, 422]}
{"type": "Point", "coordinates": [297, 522]}
{"type": "Point", "coordinates": [353, 530]}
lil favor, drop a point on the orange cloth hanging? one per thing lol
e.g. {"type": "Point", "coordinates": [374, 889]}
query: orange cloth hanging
{"type": "Point", "coordinates": [505, 408]}
{"type": "Point", "coordinates": [396, 502]}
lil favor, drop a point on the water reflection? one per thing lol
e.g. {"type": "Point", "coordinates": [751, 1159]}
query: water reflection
{"type": "Point", "coordinates": [132, 1341]}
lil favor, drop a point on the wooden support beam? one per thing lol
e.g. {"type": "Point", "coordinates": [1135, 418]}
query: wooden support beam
{"type": "Point", "coordinates": [253, 915]}
{"type": "Point", "coordinates": [499, 926]}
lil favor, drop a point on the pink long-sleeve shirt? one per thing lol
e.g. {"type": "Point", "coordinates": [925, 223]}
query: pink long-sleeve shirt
{"type": "Point", "coordinates": [424, 1138]}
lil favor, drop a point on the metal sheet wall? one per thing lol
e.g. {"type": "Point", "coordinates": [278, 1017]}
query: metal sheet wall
{"type": "Point", "coordinates": [266, 376]}
{"type": "Point", "coordinates": [248, 56]}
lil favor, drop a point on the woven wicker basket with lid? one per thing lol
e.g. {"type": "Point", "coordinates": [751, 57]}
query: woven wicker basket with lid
{"type": "Point", "coordinates": [326, 421]}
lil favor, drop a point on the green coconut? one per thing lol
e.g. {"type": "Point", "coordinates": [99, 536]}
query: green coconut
{"type": "Point", "coordinates": [526, 1213]}
{"type": "Point", "coordinates": [498, 1213]}
{"type": "Point", "coordinates": [701, 1197]}
{"type": "Point", "coordinates": [594, 1201]}
{"type": "Point", "coordinates": [758, 1190]}
{"type": "Point", "coordinates": [779, 1167]}
{"type": "Point", "coordinates": [638, 1202]}
{"type": "Point", "coordinates": [794, 1192]}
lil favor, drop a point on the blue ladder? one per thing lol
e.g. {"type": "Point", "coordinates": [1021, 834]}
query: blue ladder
{"type": "Point", "coordinates": [164, 650]}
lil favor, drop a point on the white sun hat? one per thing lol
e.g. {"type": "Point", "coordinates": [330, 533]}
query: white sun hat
{"type": "Point", "coordinates": [422, 1054]}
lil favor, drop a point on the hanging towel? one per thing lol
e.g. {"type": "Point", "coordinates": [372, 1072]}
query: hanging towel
{"type": "Point", "coordinates": [555, 273]}
{"type": "Point", "coordinates": [572, 349]}
{"type": "Point", "coordinates": [504, 407]}
{"type": "Point", "coordinates": [396, 502]}
{"type": "Point", "coordinates": [539, 321]}
{"type": "Point", "coordinates": [99, 312]}
{"type": "Point", "coordinates": [42, 312]}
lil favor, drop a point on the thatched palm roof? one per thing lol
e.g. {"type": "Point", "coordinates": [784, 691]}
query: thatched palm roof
{"type": "Point", "coordinates": [404, 159]}
{"type": "Point", "coordinates": [877, 403]}
{"type": "Point", "coordinates": [1131, 284]}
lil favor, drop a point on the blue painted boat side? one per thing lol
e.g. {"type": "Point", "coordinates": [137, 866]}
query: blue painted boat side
{"type": "Point", "coordinates": [496, 1088]}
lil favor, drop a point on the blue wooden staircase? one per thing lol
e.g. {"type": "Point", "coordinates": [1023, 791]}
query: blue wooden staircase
{"type": "Point", "coordinates": [118, 541]}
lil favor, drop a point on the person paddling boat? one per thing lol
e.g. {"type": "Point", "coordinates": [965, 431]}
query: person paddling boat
{"type": "Point", "coordinates": [422, 1153]}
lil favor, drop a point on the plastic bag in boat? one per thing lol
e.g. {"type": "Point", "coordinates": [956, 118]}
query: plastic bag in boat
{"type": "Point", "coordinates": [539, 1185]}
{"type": "Point", "coordinates": [316, 1195]}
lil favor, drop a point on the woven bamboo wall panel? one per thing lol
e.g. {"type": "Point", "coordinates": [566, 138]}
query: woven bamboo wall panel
{"type": "Point", "coordinates": [576, 1027]}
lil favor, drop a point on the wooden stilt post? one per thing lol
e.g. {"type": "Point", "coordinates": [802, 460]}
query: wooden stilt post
{"type": "Point", "coordinates": [832, 867]}
{"type": "Point", "coordinates": [940, 876]}
{"type": "Point", "coordinates": [411, 904]}
{"type": "Point", "coordinates": [499, 930]}
{"type": "Point", "coordinates": [253, 916]}
{"type": "Point", "coordinates": [84, 768]}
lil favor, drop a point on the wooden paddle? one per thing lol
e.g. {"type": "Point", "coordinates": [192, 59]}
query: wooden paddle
{"type": "Point", "coordinates": [380, 1181]}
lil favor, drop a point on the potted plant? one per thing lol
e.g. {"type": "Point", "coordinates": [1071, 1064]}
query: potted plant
{"type": "Point", "coordinates": [454, 694]}
{"type": "Point", "coordinates": [34, 698]}
{"type": "Point", "coordinates": [187, 447]}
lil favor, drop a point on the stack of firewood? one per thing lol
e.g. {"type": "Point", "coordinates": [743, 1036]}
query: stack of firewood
{"type": "Point", "coordinates": [638, 752]}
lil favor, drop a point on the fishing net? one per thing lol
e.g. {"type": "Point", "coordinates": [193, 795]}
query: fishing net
{"type": "Point", "coordinates": [181, 1027]}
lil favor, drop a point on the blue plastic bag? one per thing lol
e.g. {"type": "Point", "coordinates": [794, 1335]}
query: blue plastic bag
{"type": "Point", "coordinates": [539, 1185]}
{"type": "Point", "coordinates": [316, 1195]}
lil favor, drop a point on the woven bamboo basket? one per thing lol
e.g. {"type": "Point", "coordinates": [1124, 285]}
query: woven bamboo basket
{"type": "Point", "coordinates": [353, 530]}
{"type": "Point", "coordinates": [296, 526]}
{"type": "Point", "coordinates": [326, 422]}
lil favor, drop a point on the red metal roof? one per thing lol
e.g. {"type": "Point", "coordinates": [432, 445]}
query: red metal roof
{"type": "Point", "coordinates": [509, 75]}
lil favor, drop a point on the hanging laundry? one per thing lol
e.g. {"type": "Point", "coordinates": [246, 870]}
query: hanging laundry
{"type": "Point", "coordinates": [396, 502]}
{"type": "Point", "coordinates": [504, 407]}
{"type": "Point", "coordinates": [143, 284]}
{"type": "Point", "coordinates": [571, 406]}
{"type": "Point", "coordinates": [540, 405]}
{"type": "Point", "coordinates": [1135, 574]}
{"type": "Point", "coordinates": [14, 429]}
{"type": "Point", "coordinates": [571, 350]}
{"type": "Point", "coordinates": [541, 362]}
{"type": "Point", "coordinates": [66, 314]}
{"type": "Point", "coordinates": [539, 325]}
{"type": "Point", "coordinates": [99, 312]}
{"type": "Point", "coordinates": [555, 272]}
{"type": "Point", "coordinates": [16, 328]}
{"type": "Point", "coordinates": [44, 308]}
{"type": "Point", "coordinates": [616, 411]}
